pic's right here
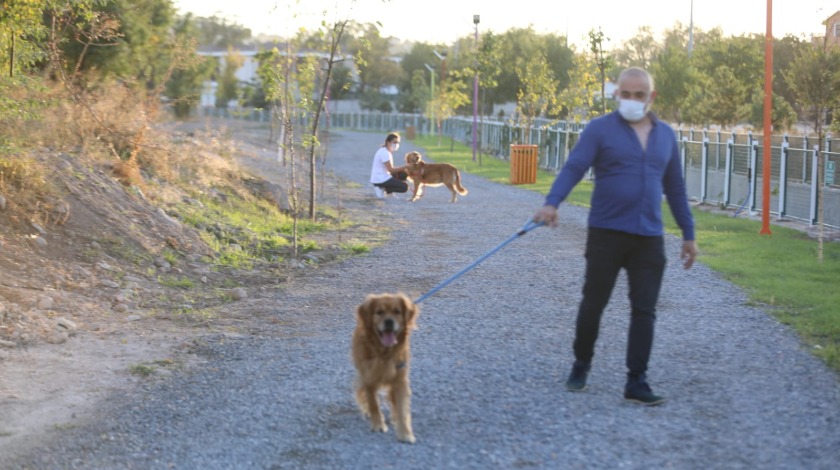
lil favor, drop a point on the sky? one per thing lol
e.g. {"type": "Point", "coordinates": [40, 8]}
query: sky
{"type": "Point", "coordinates": [444, 21]}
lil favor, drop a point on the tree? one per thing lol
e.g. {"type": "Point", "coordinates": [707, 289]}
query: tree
{"type": "Point", "coordinates": [374, 62]}
{"type": "Point", "coordinates": [729, 69]}
{"type": "Point", "coordinates": [724, 98]}
{"type": "Point", "coordinates": [513, 45]}
{"type": "Point", "coordinates": [497, 55]}
{"type": "Point", "coordinates": [129, 39]}
{"type": "Point", "coordinates": [341, 82]}
{"type": "Point", "coordinates": [489, 63]}
{"type": "Point", "coordinates": [785, 51]}
{"type": "Point", "coordinates": [743, 55]}
{"type": "Point", "coordinates": [678, 36]}
{"type": "Point", "coordinates": [449, 96]}
{"type": "Point", "coordinates": [217, 33]}
{"type": "Point", "coordinates": [538, 95]}
{"type": "Point", "coordinates": [335, 34]}
{"type": "Point", "coordinates": [184, 87]}
{"type": "Point", "coordinates": [228, 82]}
{"type": "Point", "coordinates": [271, 74]}
{"type": "Point", "coordinates": [578, 98]}
{"type": "Point", "coordinates": [674, 78]}
{"type": "Point", "coordinates": [488, 60]}
{"type": "Point", "coordinates": [415, 60]}
{"type": "Point", "coordinates": [814, 77]}
{"type": "Point", "coordinates": [22, 28]}
{"type": "Point", "coordinates": [415, 100]}
{"type": "Point", "coordinates": [602, 60]}
{"type": "Point", "coordinates": [375, 100]}
{"type": "Point", "coordinates": [560, 58]}
{"type": "Point", "coordinates": [782, 114]}
{"type": "Point", "coordinates": [641, 50]}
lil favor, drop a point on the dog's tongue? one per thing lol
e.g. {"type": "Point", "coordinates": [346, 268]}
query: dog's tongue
{"type": "Point", "coordinates": [388, 338]}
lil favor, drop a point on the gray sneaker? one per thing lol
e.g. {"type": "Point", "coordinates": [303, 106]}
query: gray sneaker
{"type": "Point", "coordinates": [577, 377]}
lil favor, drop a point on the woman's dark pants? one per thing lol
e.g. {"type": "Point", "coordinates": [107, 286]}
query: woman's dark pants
{"type": "Point", "coordinates": [395, 184]}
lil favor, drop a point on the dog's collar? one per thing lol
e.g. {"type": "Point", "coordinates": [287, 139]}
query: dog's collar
{"type": "Point", "coordinates": [401, 365]}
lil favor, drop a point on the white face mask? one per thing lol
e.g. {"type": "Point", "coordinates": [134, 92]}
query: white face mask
{"type": "Point", "coordinates": [632, 110]}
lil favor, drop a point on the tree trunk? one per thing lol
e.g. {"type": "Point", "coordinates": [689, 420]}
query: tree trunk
{"type": "Point", "coordinates": [12, 57]}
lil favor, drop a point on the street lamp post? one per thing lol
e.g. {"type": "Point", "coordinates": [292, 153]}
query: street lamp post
{"type": "Point", "coordinates": [442, 57]}
{"type": "Point", "coordinates": [475, 92]}
{"type": "Point", "coordinates": [431, 98]}
{"type": "Point", "coordinates": [691, 30]}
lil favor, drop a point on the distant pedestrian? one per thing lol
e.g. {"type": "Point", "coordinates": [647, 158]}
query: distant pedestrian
{"type": "Point", "coordinates": [635, 159]}
{"type": "Point", "coordinates": [386, 178]}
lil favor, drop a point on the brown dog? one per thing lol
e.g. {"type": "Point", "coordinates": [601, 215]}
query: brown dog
{"type": "Point", "coordinates": [432, 174]}
{"type": "Point", "coordinates": [381, 354]}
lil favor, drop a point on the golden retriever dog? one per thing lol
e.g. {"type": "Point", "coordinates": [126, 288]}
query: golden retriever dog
{"type": "Point", "coordinates": [381, 354]}
{"type": "Point", "coordinates": [432, 174]}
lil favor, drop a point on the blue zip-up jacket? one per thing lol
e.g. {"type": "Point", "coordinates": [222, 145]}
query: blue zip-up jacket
{"type": "Point", "coordinates": [629, 182]}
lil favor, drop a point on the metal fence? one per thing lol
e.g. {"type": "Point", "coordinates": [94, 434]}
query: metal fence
{"type": "Point", "coordinates": [724, 169]}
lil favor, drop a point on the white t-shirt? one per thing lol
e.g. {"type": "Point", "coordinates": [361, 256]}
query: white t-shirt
{"type": "Point", "coordinates": [379, 172]}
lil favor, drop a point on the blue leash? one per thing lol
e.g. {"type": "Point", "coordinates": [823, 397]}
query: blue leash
{"type": "Point", "coordinates": [749, 191]}
{"type": "Point", "coordinates": [530, 225]}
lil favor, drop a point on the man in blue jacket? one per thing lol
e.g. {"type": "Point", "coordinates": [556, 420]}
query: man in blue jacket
{"type": "Point", "coordinates": [635, 159]}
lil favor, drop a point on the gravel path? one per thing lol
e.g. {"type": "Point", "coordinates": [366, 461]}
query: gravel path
{"type": "Point", "coordinates": [489, 360]}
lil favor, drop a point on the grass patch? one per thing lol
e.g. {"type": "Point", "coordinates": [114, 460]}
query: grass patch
{"type": "Point", "coordinates": [178, 282]}
{"type": "Point", "coordinates": [170, 256]}
{"type": "Point", "coordinates": [247, 230]}
{"type": "Point", "coordinates": [148, 369]}
{"type": "Point", "coordinates": [356, 248]}
{"type": "Point", "coordinates": [143, 370]}
{"type": "Point", "coordinates": [118, 248]}
{"type": "Point", "coordinates": [778, 271]}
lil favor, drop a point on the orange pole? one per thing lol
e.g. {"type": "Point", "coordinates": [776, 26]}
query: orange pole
{"type": "Point", "coordinates": [768, 122]}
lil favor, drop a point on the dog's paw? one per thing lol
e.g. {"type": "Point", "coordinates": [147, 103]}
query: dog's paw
{"type": "Point", "coordinates": [407, 438]}
{"type": "Point", "coordinates": [380, 427]}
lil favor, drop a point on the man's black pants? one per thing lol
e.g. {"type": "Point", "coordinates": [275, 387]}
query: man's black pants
{"type": "Point", "coordinates": [643, 258]}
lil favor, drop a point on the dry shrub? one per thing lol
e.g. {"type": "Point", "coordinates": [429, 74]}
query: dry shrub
{"type": "Point", "coordinates": [30, 195]}
{"type": "Point", "coordinates": [23, 103]}
{"type": "Point", "coordinates": [21, 175]}
{"type": "Point", "coordinates": [128, 172]}
{"type": "Point", "coordinates": [203, 160]}
{"type": "Point", "coordinates": [118, 128]}
{"type": "Point", "coordinates": [108, 122]}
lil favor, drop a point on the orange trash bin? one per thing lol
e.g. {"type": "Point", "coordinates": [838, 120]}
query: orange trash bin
{"type": "Point", "coordinates": [523, 164]}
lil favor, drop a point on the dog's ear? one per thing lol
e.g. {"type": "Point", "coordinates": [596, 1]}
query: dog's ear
{"type": "Point", "coordinates": [364, 309]}
{"type": "Point", "coordinates": [411, 310]}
